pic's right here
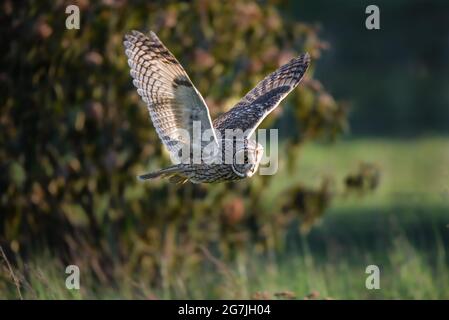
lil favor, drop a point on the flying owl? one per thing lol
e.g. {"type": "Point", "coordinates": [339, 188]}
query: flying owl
{"type": "Point", "coordinates": [177, 110]}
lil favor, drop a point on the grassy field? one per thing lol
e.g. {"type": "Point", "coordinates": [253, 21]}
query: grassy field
{"type": "Point", "coordinates": [402, 228]}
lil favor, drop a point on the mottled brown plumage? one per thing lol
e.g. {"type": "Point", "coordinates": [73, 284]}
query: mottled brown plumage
{"type": "Point", "coordinates": [177, 110]}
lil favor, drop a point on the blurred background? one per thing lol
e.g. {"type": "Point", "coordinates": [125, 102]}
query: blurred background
{"type": "Point", "coordinates": [363, 169]}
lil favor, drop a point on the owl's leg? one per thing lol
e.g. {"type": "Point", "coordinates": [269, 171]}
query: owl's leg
{"type": "Point", "coordinates": [178, 179]}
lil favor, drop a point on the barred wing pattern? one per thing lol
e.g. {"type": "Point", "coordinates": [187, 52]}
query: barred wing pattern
{"type": "Point", "coordinates": [173, 101]}
{"type": "Point", "coordinates": [264, 98]}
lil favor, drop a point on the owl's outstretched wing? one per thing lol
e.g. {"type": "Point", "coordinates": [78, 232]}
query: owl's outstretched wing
{"type": "Point", "coordinates": [264, 98]}
{"type": "Point", "coordinates": [173, 101]}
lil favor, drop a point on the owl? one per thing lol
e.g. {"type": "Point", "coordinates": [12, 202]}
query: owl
{"type": "Point", "coordinates": [179, 114]}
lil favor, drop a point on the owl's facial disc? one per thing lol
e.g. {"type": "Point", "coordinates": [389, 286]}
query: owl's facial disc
{"type": "Point", "coordinates": [246, 160]}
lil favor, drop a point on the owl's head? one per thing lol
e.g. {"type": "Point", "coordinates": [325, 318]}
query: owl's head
{"type": "Point", "coordinates": [247, 158]}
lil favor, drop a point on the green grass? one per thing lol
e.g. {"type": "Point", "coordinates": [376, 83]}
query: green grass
{"type": "Point", "coordinates": [416, 166]}
{"type": "Point", "coordinates": [402, 227]}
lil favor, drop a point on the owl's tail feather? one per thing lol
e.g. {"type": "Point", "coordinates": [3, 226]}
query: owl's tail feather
{"type": "Point", "coordinates": [171, 172]}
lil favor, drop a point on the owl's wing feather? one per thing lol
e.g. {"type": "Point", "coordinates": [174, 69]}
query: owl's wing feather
{"type": "Point", "coordinates": [173, 101]}
{"type": "Point", "coordinates": [249, 112]}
